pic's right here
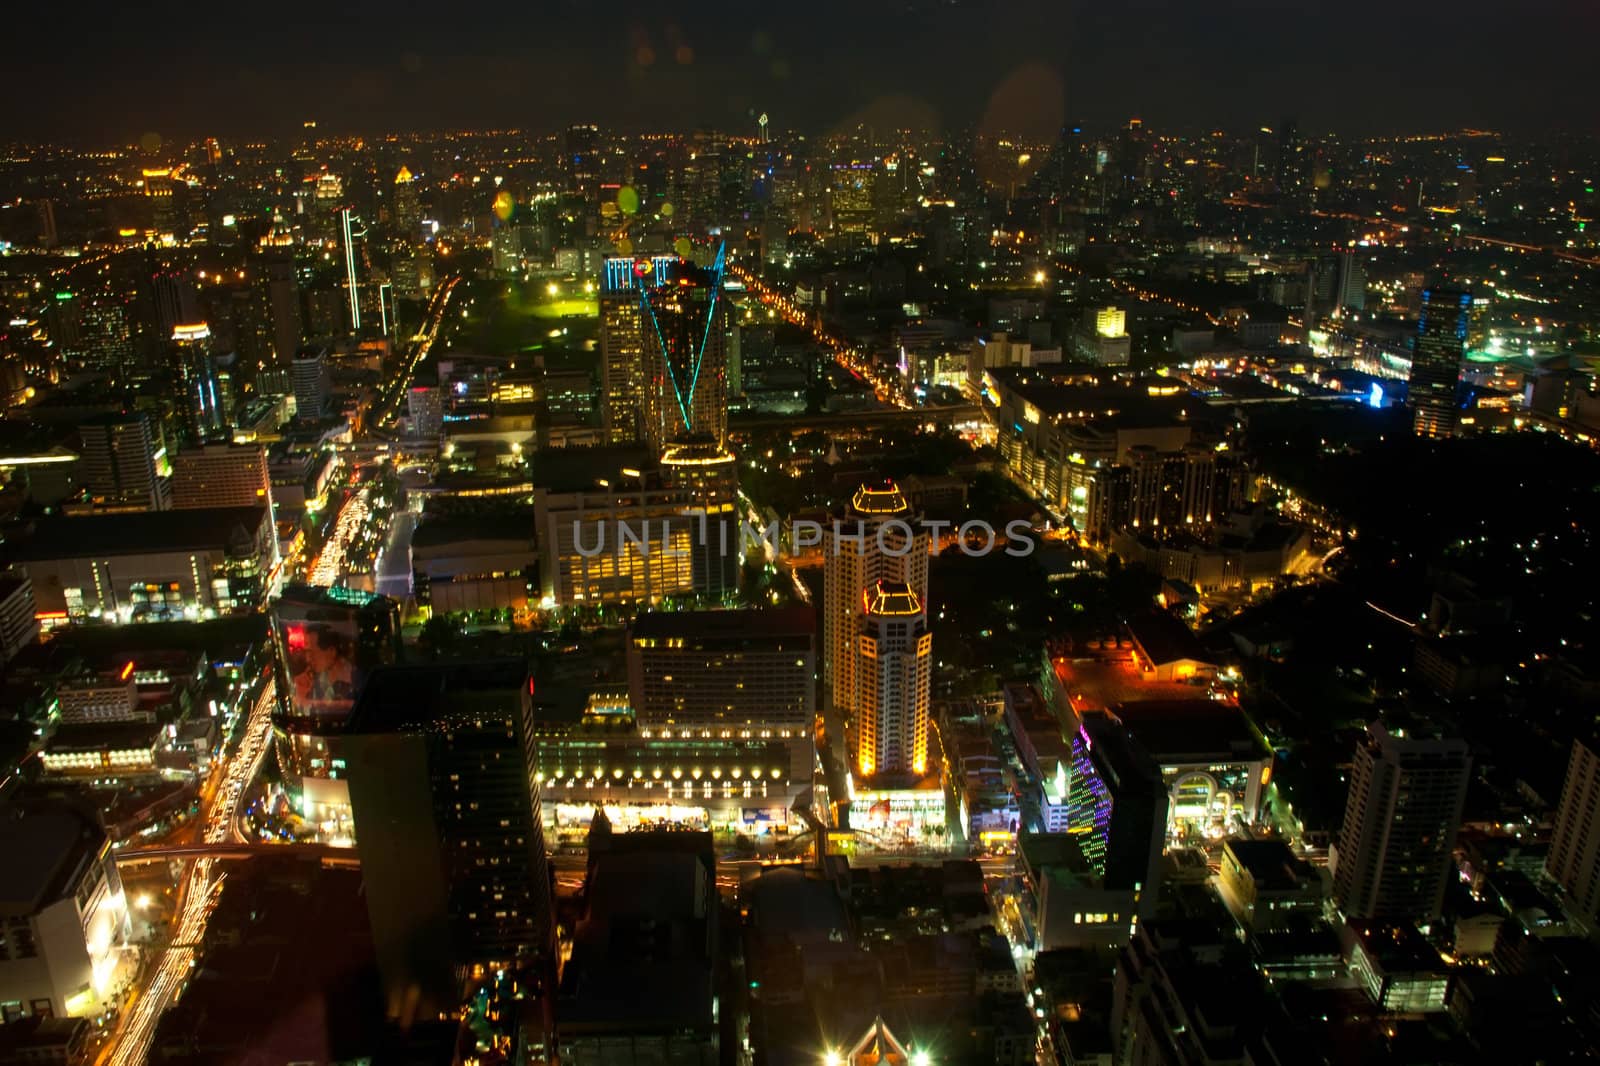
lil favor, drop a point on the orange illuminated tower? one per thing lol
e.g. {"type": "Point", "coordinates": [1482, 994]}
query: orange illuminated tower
{"type": "Point", "coordinates": [894, 675]}
{"type": "Point", "coordinates": [878, 537]}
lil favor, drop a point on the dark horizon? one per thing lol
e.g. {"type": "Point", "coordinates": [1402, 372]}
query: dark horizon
{"type": "Point", "coordinates": [1356, 68]}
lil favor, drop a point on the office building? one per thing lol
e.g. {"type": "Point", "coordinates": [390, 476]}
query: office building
{"type": "Point", "coordinates": [724, 674]}
{"type": "Point", "coordinates": [878, 538]}
{"type": "Point", "coordinates": [283, 303]}
{"type": "Point", "coordinates": [1436, 355]}
{"type": "Point", "coordinates": [448, 825]}
{"type": "Point", "coordinates": [685, 357]}
{"type": "Point", "coordinates": [206, 409]}
{"type": "Point", "coordinates": [1574, 861]}
{"type": "Point", "coordinates": [424, 411]}
{"type": "Point", "coordinates": [1102, 337]}
{"type": "Point", "coordinates": [622, 282]}
{"type": "Point", "coordinates": [221, 474]}
{"type": "Point", "coordinates": [893, 675]}
{"type": "Point", "coordinates": [65, 916]}
{"type": "Point", "coordinates": [111, 696]}
{"type": "Point", "coordinates": [1400, 823]}
{"type": "Point", "coordinates": [616, 527]}
{"type": "Point", "coordinates": [19, 622]}
{"type": "Point", "coordinates": [309, 375]}
{"type": "Point", "coordinates": [118, 464]}
{"type": "Point", "coordinates": [1266, 886]}
{"type": "Point", "coordinates": [407, 211]}
{"type": "Point", "coordinates": [1117, 807]}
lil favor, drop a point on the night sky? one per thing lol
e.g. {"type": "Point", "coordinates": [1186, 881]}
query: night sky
{"type": "Point", "coordinates": [95, 71]}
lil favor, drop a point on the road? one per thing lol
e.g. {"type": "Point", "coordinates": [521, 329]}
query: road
{"type": "Point", "coordinates": [394, 561]}
{"type": "Point", "coordinates": [387, 408]}
{"type": "Point", "coordinates": [197, 893]}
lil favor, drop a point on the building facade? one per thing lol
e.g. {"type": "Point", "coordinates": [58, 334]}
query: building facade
{"type": "Point", "coordinates": [1400, 823]}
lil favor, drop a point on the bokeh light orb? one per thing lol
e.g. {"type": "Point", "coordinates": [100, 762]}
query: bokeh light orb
{"type": "Point", "coordinates": [628, 200]}
{"type": "Point", "coordinates": [503, 205]}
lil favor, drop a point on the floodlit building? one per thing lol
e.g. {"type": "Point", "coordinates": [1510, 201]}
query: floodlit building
{"type": "Point", "coordinates": [65, 916]}
{"type": "Point", "coordinates": [152, 565]}
{"type": "Point", "coordinates": [894, 672]}
{"type": "Point", "coordinates": [878, 538]}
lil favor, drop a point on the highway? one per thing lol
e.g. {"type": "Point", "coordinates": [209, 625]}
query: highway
{"type": "Point", "coordinates": [387, 408]}
{"type": "Point", "coordinates": [852, 359]}
{"type": "Point", "coordinates": [197, 893]}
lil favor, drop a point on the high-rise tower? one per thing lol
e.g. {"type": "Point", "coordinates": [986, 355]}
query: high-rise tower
{"type": "Point", "coordinates": [205, 407]}
{"type": "Point", "coordinates": [622, 279]}
{"type": "Point", "coordinates": [448, 825]}
{"type": "Point", "coordinates": [894, 675]}
{"type": "Point", "coordinates": [1400, 823]}
{"type": "Point", "coordinates": [685, 347]}
{"type": "Point", "coordinates": [1436, 360]}
{"type": "Point", "coordinates": [878, 538]}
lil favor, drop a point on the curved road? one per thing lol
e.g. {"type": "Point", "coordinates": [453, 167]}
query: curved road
{"type": "Point", "coordinates": [198, 891]}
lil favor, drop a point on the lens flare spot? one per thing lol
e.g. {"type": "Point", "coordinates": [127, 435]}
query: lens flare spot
{"type": "Point", "coordinates": [684, 55]}
{"type": "Point", "coordinates": [624, 246]}
{"type": "Point", "coordinates": [503, 205]}
{"type": "Point", "coordinates": [645, 56]}
{"type": "Point", "coordinates": [150, 142]}
{"type": "Point", "coordinates": [667, 209]}
{"type": "Point", "coordinates": [682, 247]}
{"type": "Point", "coordinates": [628, 200]}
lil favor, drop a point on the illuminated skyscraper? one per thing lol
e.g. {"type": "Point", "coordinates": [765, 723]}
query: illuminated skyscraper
{"type": "Point", "coordinates": [894, 672]}
{"type": "Point", "coordinates": [1400, 824]}
{"type": "Point", "coordinates": [118, 464]}
{"type": "Point", "coordinates": [1436, 360]}
{"type": "Point", "coordinates": [879, 538]}
{"type": "Point", "coordinates": [622, 279]}
{"type": "Point", "coordinates": [407, 206]}
{"type": "Point", "coordinates": [685, 347]}
{"type": "Point", "coordinates": [205, 407]}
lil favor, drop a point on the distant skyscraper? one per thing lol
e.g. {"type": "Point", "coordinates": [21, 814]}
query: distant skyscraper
{"type": "Point", "coordinates": [1436, 361]}
{"type": "Point", "coordinates": [310, 377]}
{"type": "Point", "coordinates": [407, 206]}
{"type": "Point", "coordinates": [877, 539]}
{"type": "Point", "coordinates": [1574, 861]}
{"type": "Point", "coordinates": [894, 672]}
{"type": "Point", "coordinates": [118, 464]}
{"type": "Point", "coordinates": [352, 229]}
{"type": "Point", "coordinates": [283, 303]}
{"type": "Point", "coordinates": [685, 346]}
{"type": "Point", "coordinates": [448, 826]}
{"type": "Point", "coordinates": [1400, 823]}
{"type": "Point", "coordinates": [206, 414]}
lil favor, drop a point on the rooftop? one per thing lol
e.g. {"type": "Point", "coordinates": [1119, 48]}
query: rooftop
{"type": "Point", "coordinates": [400, 698]}
{"type": "Point", "coordinates": [141, 532]}
{"type": "Point", "coordinates": [42, 853]}
{"type": "Point", "coordinates": [1192, 730]}
{"type": "Point", "coordinates": [783, 621]}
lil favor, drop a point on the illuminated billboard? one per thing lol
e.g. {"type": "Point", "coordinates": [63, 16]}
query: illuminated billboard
{"type": "Point", "coordinates": [328, 641]}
